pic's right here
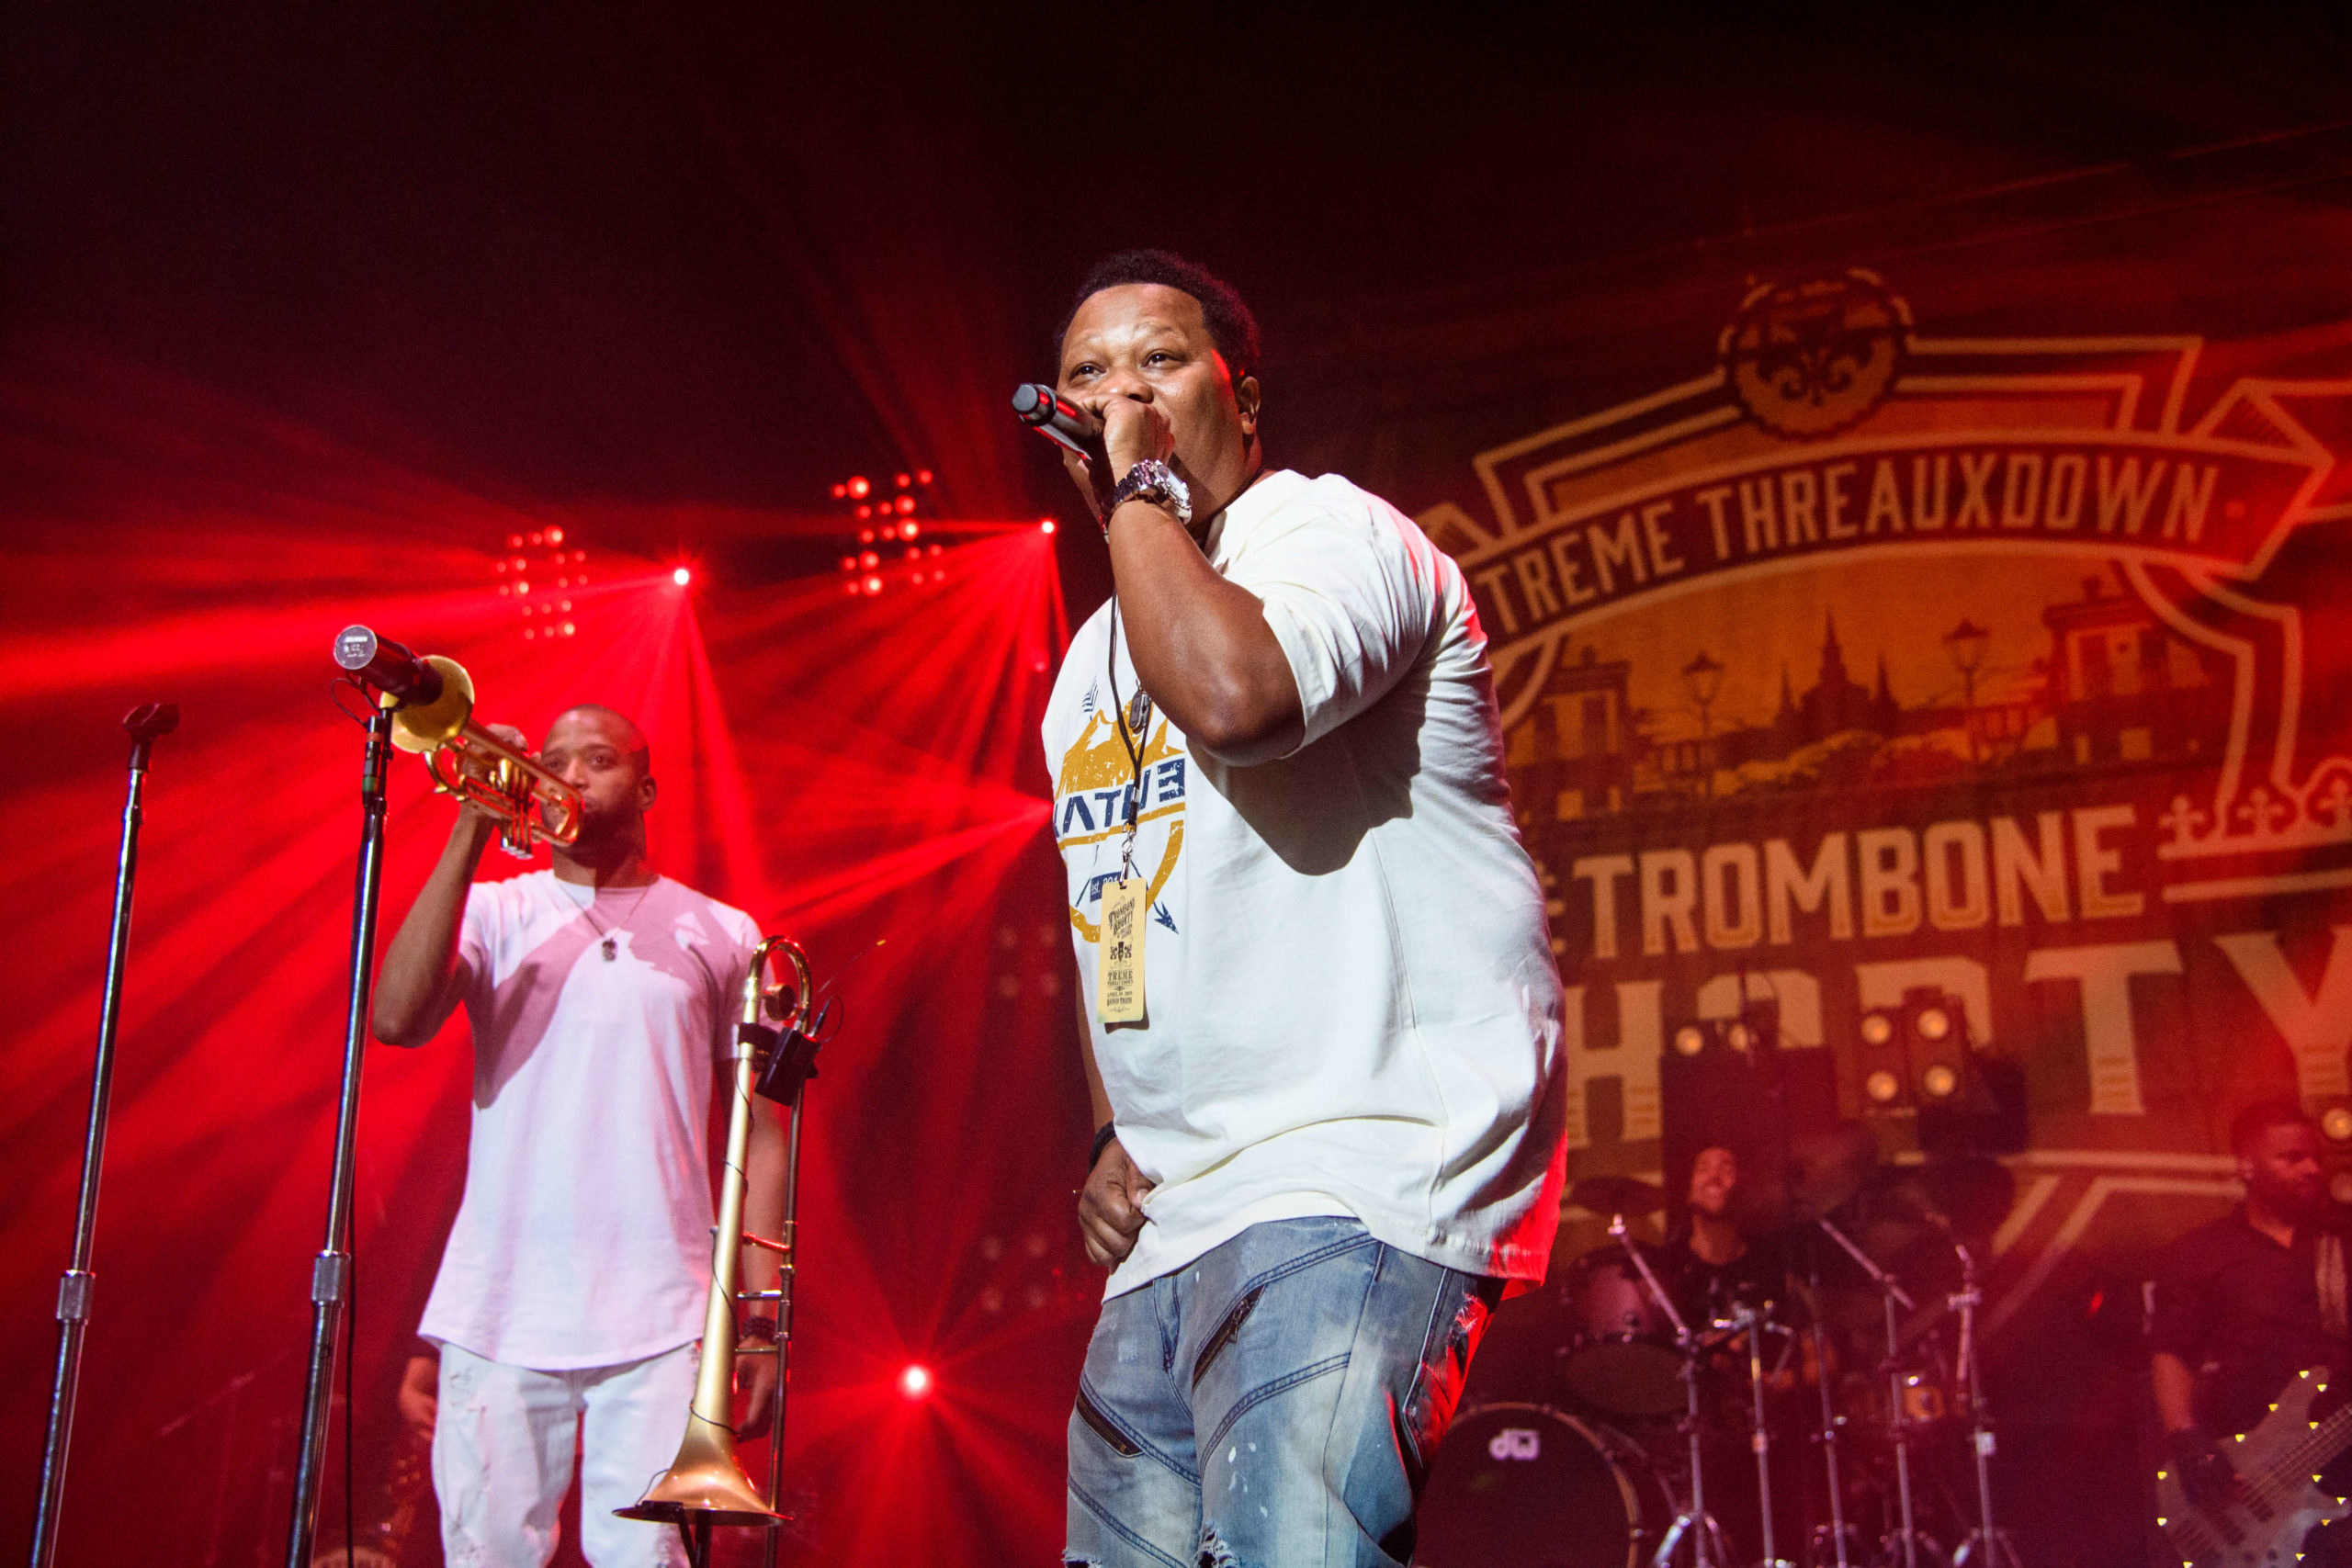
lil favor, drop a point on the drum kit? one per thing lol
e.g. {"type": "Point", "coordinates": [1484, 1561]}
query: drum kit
{"type": "Point", "coordinates": [1818, 1402]}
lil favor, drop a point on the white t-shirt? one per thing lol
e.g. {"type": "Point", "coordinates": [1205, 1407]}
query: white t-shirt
{"type": "Point", "coordinates": [1352, 1005]}
{"type": "Point", "coordinates": [584, 1239]}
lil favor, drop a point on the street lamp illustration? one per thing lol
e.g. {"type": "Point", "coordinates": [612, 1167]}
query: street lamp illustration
{"type": "Point", "coordinates": [1966, 643]}
{"type": "Point", "coordinates": [1704, 678]}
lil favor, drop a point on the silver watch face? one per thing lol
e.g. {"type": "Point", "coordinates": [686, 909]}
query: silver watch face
{"type": "Point", "coordinates": [1153, 478]}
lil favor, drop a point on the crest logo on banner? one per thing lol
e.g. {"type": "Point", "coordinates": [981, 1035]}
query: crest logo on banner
{"type": "Point", "coordinates": [1871, 662]}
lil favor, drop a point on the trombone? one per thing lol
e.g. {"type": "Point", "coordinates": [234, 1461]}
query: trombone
{"type": "Point", "coordinates": [706, 1486]}
{"type": "Point", "coordinates": [467, 760]}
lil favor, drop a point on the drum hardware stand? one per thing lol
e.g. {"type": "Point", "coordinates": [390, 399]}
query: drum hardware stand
{"type": "Point", "coordinates": [1965, 1301]}
{"type": "Point", "coordinates": [1693, 1518]}
{"type": "Point", "coordinates": [1832, 1423]}
{"type": "Point", "coordinates": [331, 1270]}
{"type": "Point", "coordinates": [1760, 1438]}
{"type": "Point", "coordinates": [144, 724]}
{"type": "Point", "coordinates": [1891, 1295]}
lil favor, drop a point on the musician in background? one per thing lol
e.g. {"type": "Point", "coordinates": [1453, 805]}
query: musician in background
{"type": "Point", "coordinates": [1709, 1256]}
{"type": "Point", "coordinates": [2245, 1302]}
{"type": "Point", "coordinates": [571, 1292]}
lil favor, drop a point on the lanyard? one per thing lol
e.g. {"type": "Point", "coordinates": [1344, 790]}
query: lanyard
{"type": "Point", "coordinates": [1141, 722]}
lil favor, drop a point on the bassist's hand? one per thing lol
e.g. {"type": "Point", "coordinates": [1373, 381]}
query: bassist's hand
{"type": "Point", "coordinates": [2206, 1474]}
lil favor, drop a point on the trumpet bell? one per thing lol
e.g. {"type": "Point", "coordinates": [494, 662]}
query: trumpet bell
{"type": "Point", "coordinates": [707, 1483]}
{"type": "Point", "coordinates": [442, 720]}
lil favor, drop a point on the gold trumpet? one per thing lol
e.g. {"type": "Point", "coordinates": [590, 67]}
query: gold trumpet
{"type": "Point", "coordinates": [467, 760]}
{"type": "Point", "coordinates": [706, 1485]}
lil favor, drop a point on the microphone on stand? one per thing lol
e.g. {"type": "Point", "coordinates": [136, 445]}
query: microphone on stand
{"type": "Point", "coordinates": [387, 666]}
{"type": "Point", "coordinates": [1058, 420]}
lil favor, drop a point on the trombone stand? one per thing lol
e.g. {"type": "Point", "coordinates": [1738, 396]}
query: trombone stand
{"type": "Point", "coordinates": [331, 1271]}
{"type": "Point", "coordinates": [144, 724]}
{"type": "Point", "coordinates": [789, 1263]}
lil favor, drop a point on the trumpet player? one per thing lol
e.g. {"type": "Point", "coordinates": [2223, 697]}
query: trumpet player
{"type": "Point", "coordinates": [571, 1291]}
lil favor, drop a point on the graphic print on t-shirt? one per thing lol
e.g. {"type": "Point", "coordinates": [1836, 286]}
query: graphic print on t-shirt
{"type": "Point", "coordinates": [1089, 792]}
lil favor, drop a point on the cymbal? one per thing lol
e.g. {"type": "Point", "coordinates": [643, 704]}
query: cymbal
{"type": "Point", "coordinates": [1826, 1170]}
{"type": "Point", "coordinates": [1616, 1195]}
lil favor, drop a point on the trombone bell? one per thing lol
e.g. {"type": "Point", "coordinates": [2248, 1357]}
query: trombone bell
{"type": "Point", "coordinates": [706, 1481]}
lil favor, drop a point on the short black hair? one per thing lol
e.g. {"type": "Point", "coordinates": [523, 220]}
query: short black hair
{"type": "Point", "coordinates": [642, 753]}
{"type": "Point", "coordinates": [2248, 1126]}
{"type": "Point", "coordinates": [1231, 326]}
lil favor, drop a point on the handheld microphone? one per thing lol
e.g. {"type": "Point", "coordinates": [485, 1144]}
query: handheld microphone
{"type": "Point", "coordinates": [1058, 420]}
{"type": "Point", "coordinates": [384, 664]}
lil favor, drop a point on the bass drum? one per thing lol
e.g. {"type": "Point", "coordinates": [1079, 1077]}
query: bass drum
{"type": "Point", "coordinates": [1529, 1486]}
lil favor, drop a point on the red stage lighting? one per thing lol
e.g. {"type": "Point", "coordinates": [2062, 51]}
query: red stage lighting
{"type": "Point", "coordinates": [906, 504]}
{"type": "Point", "coordinates": [555, 536]}
{"type": "Point", "coordinates": [914, 1382]}
{"type": "Point", "coordinates": [910, 528]}
{"type": "Point", "coordinates": [905, 480]}
{"type": "Point", "coordinates": [682, 577]}
{"type": "Point", "coordinates": [840, 492]}
{"type": "Point", "coordinates": [858, 487]}
{"type": "Point", "coordinates": [1045, 525]}
{"type": "Point", "coordinates": [873, 585]}
{"type": "Point", "coordinates": [922, 476]}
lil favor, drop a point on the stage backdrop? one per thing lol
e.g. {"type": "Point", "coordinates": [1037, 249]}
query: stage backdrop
{"type": "Point", "coordinates": [1933, 632]}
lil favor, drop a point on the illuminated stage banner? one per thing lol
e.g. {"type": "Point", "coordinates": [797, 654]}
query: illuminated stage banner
{"type": "Point", "coordinates": [1871, 664]}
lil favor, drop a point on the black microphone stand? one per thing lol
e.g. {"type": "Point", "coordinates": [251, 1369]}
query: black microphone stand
{"type": "Point", "coordinates": [144, 724]}
{"type": "Point", "coordinates": [331, 1271]}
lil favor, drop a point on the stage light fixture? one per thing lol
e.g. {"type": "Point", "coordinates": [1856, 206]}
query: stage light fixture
{"type": "Point", "coordinates": [2335, 1122]}
{"type": "Point", "coordinates": [1877, 1028]}
{"type": "Point", "coordinates": [840, 492]}
{"type": "Point", "coordinates": [1940, 1081]}
{"type": "Point", "coordinates": [906, 504]}
{"type": "Point", "coordinates": [555, 536]}
{"type": "Point", "coordinates": [522, 588]}
{"type": "Point", "coordinates": [849, 563]}
{"type": "Point", "coordinates": [569, 628]}
{"type": "Point", "coordinates": [870, 559]}
{"type": "Point", "coordinates": [499, 565]}
{"type": "Point", "coordinates": [914, 1381]}
{"type": "Point", "coordinates": [1935, 1024]}
{"type": "Point", "coordinates": [1738, 1036]}
{"type": "Point", "coordinates": [858, 489]}
{"type": "Point", "coordinates": [513, 541]}
{"type": "Point", "coordinates": [1883, 1088]}
{"type": "Point", "coordinates": [1045, 525]}
{"type": "Point", "coordinates": [905, 480]}
{"type": "Point", "coordinates": [1690, 1040]}
{"type": "Point", "coordinates": [682, 577]}
{"type": "Point", "coordinates": [910, 528]}
{"type": "Point", "coordinates": [873, 586]}
{"type": "Point", "coordinates": [922, 476]}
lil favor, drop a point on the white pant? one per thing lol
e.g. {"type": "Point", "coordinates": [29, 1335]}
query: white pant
{"type": "Point", "coordinates": [503, 1443]}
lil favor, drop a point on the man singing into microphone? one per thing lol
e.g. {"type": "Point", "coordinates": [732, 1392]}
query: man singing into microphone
{"type": "Point", "coordinates": [1322, 1022]}
{"type": "Point", "coordinates": [572, 1289]}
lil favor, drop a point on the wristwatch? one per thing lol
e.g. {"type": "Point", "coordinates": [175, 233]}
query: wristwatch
{"type": "Point", "coordinates": [1151, 480]}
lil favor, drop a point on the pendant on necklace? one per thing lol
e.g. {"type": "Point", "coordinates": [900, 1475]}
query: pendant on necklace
{"type": "Point", "coordinates": [612, 950]}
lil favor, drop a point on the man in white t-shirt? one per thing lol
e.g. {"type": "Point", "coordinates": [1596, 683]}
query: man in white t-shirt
{"type": "Point", "coordinates": [1321, 1017]}
{"type": "Point", "coordinates": [571, 1296]}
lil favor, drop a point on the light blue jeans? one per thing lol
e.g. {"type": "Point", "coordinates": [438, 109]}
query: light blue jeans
{"type": "Point", "coordinates": [1274, 1405]}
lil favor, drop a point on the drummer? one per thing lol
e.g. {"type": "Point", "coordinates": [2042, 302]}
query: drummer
{"type": "Point", "coordinates": [1708, 1255]}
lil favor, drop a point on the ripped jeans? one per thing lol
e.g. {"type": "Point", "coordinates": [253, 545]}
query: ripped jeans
{"type": "Point", "coordinates": [1273, 1404]}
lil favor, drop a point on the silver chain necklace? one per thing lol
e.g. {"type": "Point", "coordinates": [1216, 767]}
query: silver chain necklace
{"type": "Point", "coordinates": [611, 944]}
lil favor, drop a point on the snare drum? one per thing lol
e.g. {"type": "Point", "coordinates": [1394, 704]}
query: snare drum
{"type": "Point", "coordinates": [1621, 1355]}
{"type": "Point", "coordinates": [1515, 1484]}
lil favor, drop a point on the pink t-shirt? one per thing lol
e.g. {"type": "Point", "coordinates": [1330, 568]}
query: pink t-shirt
{"type": "Point", "coordinates": [584, 1239]}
